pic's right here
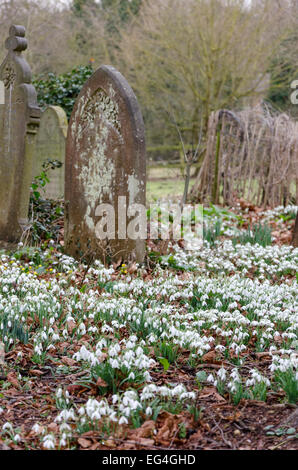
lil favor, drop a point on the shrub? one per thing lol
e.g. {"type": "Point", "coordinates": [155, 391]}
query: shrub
{"type": "Point", "coordinates": [61, 90]}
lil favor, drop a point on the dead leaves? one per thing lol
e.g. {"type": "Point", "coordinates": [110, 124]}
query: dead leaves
{"type": "Point", "coordinates": [68, 361]}
{"type": "Point", "coordinates": [169, 431]}
{"type": "Point", "coordinates": [101, 383]}
{"type": "Point", "coordinates": [71, 326]}
{"type": "Point", "coordinates": [36, 372]}
{"type": "Point", "coordinates": [211, 392]}
{"type": "Point", "coordinates": [211, 357]}
{"type": "Point", "coordinates": [146, 430]}
{"type": "Point", "coordinates": [12, 378]}
{"type": "Point", "coordinates": [85, 443]}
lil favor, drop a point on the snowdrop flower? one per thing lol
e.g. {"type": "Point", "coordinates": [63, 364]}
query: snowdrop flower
{"type": "Point", "coordinates": [210, 378]}
{"type": "Point", "coordinates": [7, 427]}
{"type": "Point", "coordinates": [64, 427]}
{"type": "Point", "coordinates": [36, 428]}
{"type": "Point", "coordinates": [49, 441]}
{"type": "Point", "coordinates": [123, 420]}
{"type": "Point", "coordinates": [82, 329]}
{"type": "Point", "coordinates": [222, 374]}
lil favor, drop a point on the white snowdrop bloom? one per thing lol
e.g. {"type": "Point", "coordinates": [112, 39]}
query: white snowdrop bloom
{"type": "Point", "coordinates": [114, 363]}
{"type": "Point", "coordinates": [123, 420]}
{"type": "Point", "coordinates": [64, 427]}
{"type": "Point", "coordinates": [114, 350]}
{"type": "Point", "coordinates": [82, 328]}
{"type": "Point", "coordinates": [36, 428]}
{"type": "Point", "coordinates": [115, 399]}
{"type": "Point", "coordinates": [95, 415]}
{"type": "Point", "coordinates": [147, 376]}
{"type": "Point", "coordinates": [222, 374]}
{"type": "Point", "coordinates": [220, 348]}
{"type": "Point", "coordinates": [178, 390]}
{"type": "Point", "coordinates": [7, 427]}
{"type": "Point", "coordinates": [66, 415]}
{"type": "Point", "coordinates": [49, 441]}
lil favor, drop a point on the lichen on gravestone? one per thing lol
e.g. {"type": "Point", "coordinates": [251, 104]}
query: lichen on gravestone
{"type": "Point", "coordinates": [105, 164]}
{"type": "Point", "coordinates": [19, 120]}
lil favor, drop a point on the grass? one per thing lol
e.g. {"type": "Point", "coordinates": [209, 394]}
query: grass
{"type": "Point", "coordinates": [165, 182]}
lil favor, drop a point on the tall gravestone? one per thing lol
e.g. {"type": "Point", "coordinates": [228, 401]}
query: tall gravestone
{"type": "Point", "coordinates": [50, 145]}
{"type": "Point", "coordinates": [295, 233]}
{"type": "Point", "coordinates": [105, 167]}
{"type": "Point", "coordinates": [19, 120]}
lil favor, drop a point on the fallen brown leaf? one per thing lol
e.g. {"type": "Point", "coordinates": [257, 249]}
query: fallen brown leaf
{"type": "Point", "coordinates": [36, 372]}
{"type": "Point", "coordinates": [68, 361]}
{"type": "Point", "coordinates": [71, 326]}
{"type": "Point", "coordinates": [146, 430]}
{"type": "Point", "coordinates": [12, 378]}
{"type": "Point", "coordinates": [53, 427]}
{"type": "Point", "coordinates": [101, 383]}
{"type": "Point", "coordinates": [84, 442]}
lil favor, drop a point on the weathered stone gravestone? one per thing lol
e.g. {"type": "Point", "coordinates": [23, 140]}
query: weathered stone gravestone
{"type": "Point", "coordinates": [50, 145]}
{"type": "Point", "coordinates": [105, 172]}
{"type": "Point", "coordinates": [19, 120]}
{"type": "Point", "coordinates": [295, 233]}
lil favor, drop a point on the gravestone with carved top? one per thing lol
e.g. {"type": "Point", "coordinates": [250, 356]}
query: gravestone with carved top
{"type": "Point", "coordinates": [105, 172]}
{"type": "Point", "coordinates": [50, 146]}
{"type": "Point", "coordinates": [295, 233]}
{"type": "Point", "coordinates": [19, 120]}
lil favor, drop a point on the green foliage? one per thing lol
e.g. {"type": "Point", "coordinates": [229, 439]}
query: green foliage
{"type": "Point", "coordinates": [288, 382]}
{"type": "Point", "coordinates": [168, 351]}
{"type": "Point", "coordinates": [260, 234]}
{"type": "Point", "coordinates": [283, 431]}
{"type": "Point", "coordinates": [11, 330]}
{"type": "Point", "coordinates": [43, 213]}
{"type": "Point", "coordinates": [171, 261]}
{"type": "Point", "coordinates": [79, 5]}
{"type": "Point", "coordinates": [165, 363]}
{"type": "Point", "coordinates": [212, 231]}
{"type": "Point", "coordinates": [219, 212]}
{"type": "Point", "coordinates": [124, 8]}
{"type": "Point", "coordinates": [289, 216]}
{"type": "Point", "coordinates": [61, 90]}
